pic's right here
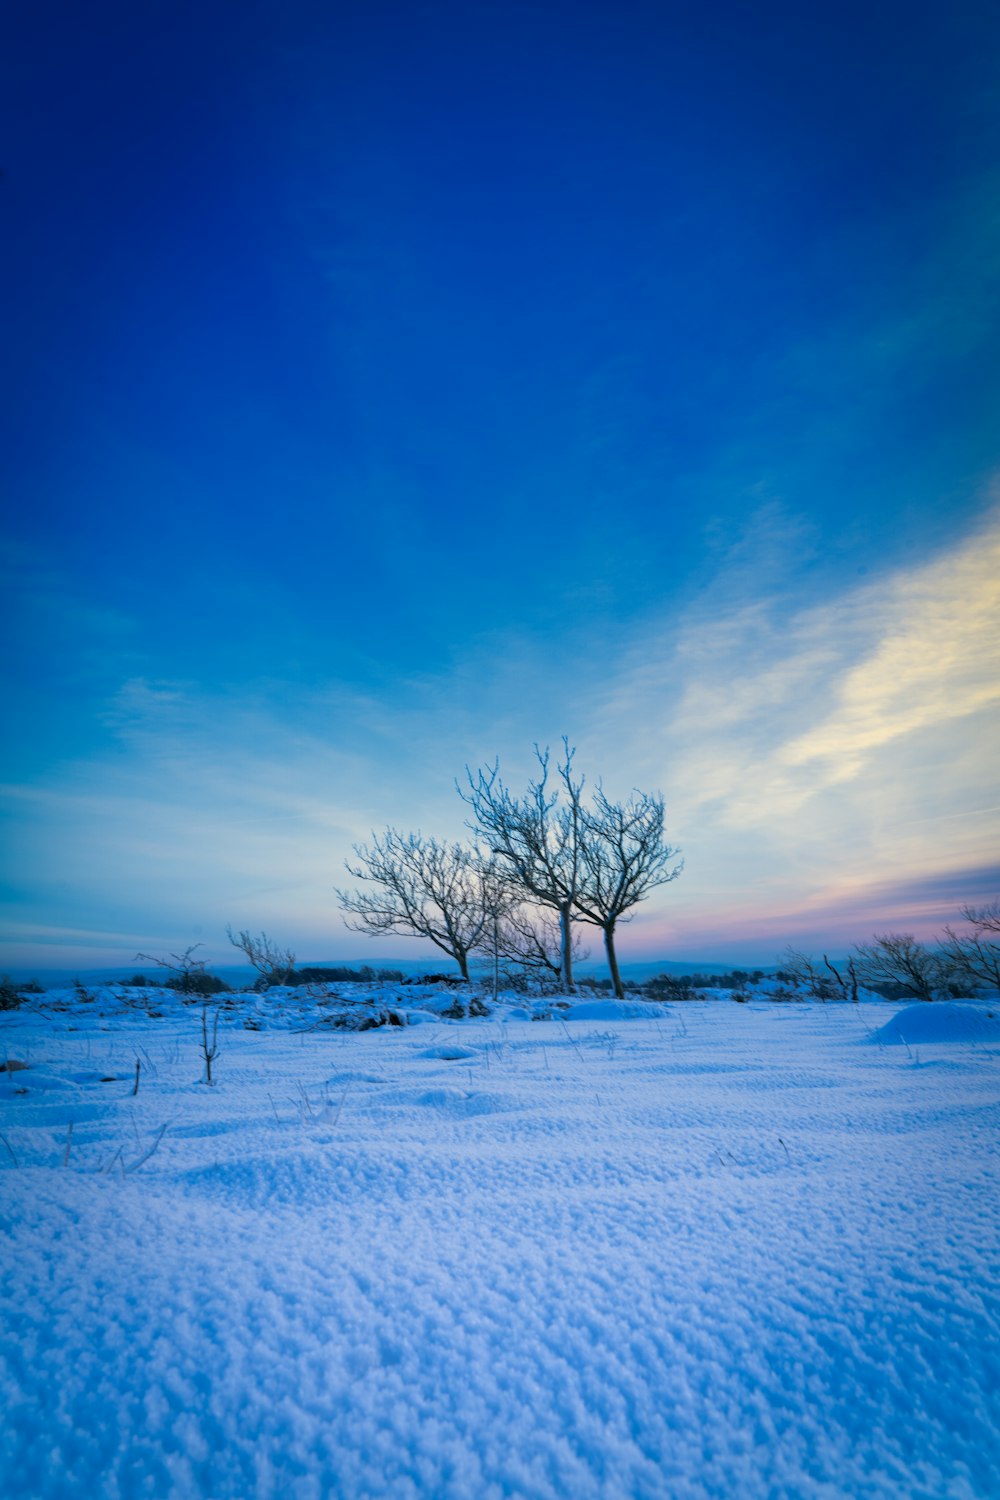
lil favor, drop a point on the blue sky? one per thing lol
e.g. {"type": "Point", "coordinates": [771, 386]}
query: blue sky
{"type": "Point", "coordinates": [390, 387]}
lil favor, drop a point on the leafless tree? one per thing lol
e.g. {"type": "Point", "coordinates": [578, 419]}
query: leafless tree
{"type": "Point", "coordinates": [535, 837]}
{"type": "Point", "coordinates": [823, 986]}
{"type": "Point", "coordinates": [190, 971]}
{"type": "Point", "coordinates": [274, 965]}
{"type": "Point", "coordinates": [623, 856]}
{"type": "Point", "coordinates": [897, 958]}
{"type": "Point", "coordinates": [848, 983]}
{"type": "Point", "coordinates": [420, 886]}
{"type": "Point", "coordinates": [531, 940]}
{"type": "Point", "coordinates": [527, 940]}
{"type": "Point", "coordinates": [975, 955]}
{"type": "Point", "coordinates": [803, 970]}
{"type": "Point", "coordinates": [499, 901]}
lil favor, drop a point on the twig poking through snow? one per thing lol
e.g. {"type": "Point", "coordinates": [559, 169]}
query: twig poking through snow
{"type": "Point", "coordinates": [10, 1148]}
{"type": "Point", "coordinates": [340, 1107]}
{"type": "Point", "coordinates": [69, 1142]}
{"type": "Point", "coordinates": [136, 1164]}
{"type": "Point", "coordinates": [570, 1038]}
{"type": "Point", "coordinates": [209, 1050]}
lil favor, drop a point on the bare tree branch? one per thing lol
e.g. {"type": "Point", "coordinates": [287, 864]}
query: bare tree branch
{"type": "Point", "coordinates": [897, 958]}
{"type": "Point", "coordinates": [802, 969]}
{"type": "Point", "coordinates": [188, 969]}
{"type": "Point", "coordinates": [531, 940]}
{"type": "Point", "coordinates": [623, 857]}
{"type": "Point", "coordinates": [985, 918]}
{"type": "Point", "coordinates": [274, 965]}
{"type": "Point", "coordinates": [420, 886]}
{"type": "Point", "coordinates": [975, 955]}
{"type": "Point", "coordinates": [536, 837]}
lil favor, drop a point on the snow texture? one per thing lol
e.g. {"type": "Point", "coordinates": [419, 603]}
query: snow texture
{"type": "Point", "coordinates": [646, 1251]}
{"type": "Point", "coordinates": [945, 1021]}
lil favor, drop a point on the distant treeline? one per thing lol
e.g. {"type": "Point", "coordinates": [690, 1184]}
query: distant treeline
{"type": "Point", "coordinates": [339, 975]}
{"type": "Point", "coordinates": [200, 982]}
{"type": "Point", "coordinates": [680, 986]}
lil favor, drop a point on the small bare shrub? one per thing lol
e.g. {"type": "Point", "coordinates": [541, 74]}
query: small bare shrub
{"type": "Point", "coordinates": [896, 961]}
{"type": "Point", "coordinates": [10, 995]}
{"type": "Point", "coordinates": [188, 974]}
{"type": "Point", "coordinates": [274, 965]}
{"type": "Point", "coordinates": [209, 1048]}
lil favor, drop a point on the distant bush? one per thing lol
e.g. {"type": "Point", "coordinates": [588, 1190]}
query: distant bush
{"type": "Point", "coordinates": [670, 987]}
{"type": "Point", "coordinates": [450, 981]}
{"type": "Point", "coordinates": [738, 979]}
{"type": "Point", "coordinates": [198, 984]}
{"type": "Point", "coordinates": [683, 986]}
{"type": "Point", "coordinates": [274, 965]}
{"type": "Point", "coordinates": [531, 982]}
{"type": "Point", "coordinates": [896, 965]}
{"type": "Point", "coordinates": [948, 989]}
{"type": "Point", "coordinates": [188, 975]}
{"type": "Point", "coordinates": [10, 994]}
{"type": "Point", "coordinates": [517, 982]}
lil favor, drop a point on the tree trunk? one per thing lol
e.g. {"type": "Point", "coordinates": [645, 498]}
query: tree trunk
{"type": "Point", "coordinates": [854, 980]}
{"type": "Point", "coordinates": [462, 959]}
{"type": "Point", "coordinates": [566, 934]}
{"type": "Point", "coordinates": [496, 960]}
{"type": "Point", "coordinates": [609, 945]}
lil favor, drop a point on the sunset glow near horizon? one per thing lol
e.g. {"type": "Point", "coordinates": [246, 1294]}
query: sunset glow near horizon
{"type": "Point", "coordinates": [392, 388]}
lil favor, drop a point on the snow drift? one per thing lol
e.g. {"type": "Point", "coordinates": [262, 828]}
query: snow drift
{"type": "Point", "coordinates": [714, 1251]}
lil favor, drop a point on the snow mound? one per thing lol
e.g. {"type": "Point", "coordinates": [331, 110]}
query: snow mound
{"type": "Point", "coordinates": [941, 1021]}
{"type": "Point", "coordinates": [610, 1010]}
{"type": "Point", "coordinates": [29, 1080]}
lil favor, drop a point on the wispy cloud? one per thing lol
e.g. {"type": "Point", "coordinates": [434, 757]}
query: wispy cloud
{"type": "Point", "coordinates": [934, 658]}
{"type": "Point", "coordinates": [813, 752]}
{"type": "Point", "coordinates": [816, 757]}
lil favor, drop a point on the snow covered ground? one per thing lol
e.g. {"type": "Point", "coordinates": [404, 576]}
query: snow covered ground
{"type": "Point", "coordinates": [704, 1249]}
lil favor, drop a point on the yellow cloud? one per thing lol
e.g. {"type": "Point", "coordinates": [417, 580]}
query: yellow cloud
{"type": "Point", "coordinates": [936, 659]}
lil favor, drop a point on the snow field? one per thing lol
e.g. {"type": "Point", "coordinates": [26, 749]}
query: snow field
{"type": "Point", "coordinates": [714, 1250]}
